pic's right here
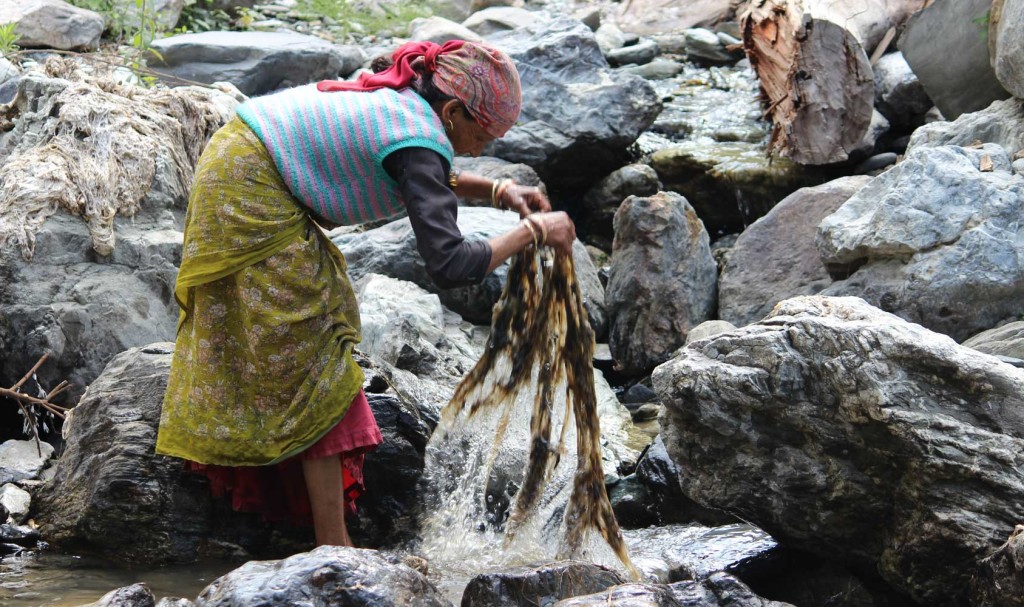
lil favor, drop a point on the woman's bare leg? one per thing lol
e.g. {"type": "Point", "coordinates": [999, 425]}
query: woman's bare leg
{"type": "Point", "coordinates": [325, 484]}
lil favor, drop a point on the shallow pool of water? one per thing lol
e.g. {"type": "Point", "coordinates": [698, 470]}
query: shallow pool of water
{"type": "Point", "coordinates": [57, 580]}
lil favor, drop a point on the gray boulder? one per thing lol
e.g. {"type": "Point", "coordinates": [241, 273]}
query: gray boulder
{"type": "Point", "coordinates": [440, 30]}
{"type": "Point", "coordinates": [541, 584]}
{"type": "Point", "coordinates": [499, 19]}
{"type": "Point", "coordinates": [136, 595]}
{"type": "Point", "coordinates": [1001, 123]}
{"type": "Point", "coordinates": [1005, 340]}
{"type": "Point", "coordinates": [899, 95]}
{"type": "Point", "coordinates": [640, 53]}
{"type": "Point", "coordinates": [24, 459]}
{"type": "Point", "coordinates": [329, 575]}
{"type": "Point", "coordinates": [15, 501]}
{"type": "Point", "coordinates": [53, 24]}
{"type": "Point", "coordinates": [721, 590]}
{"type": "Point", "coordinates": [662, 281]}
{"type": "Point", "coordinates": [87, 281]}
{"type": "Point", "coordinates": [255, 62]}
{"type": "Point", "coordinates": [851, 434]}
{"type": "Point", "coordinates": [671, 553]}
{"type": "Point", "coordinates": [578, 117]}
{"type": "Point", "coordinates": [705, 46]}
{"type": "Point", "coordinates": [600, 203]}
{"type": "Point", "coordinates": [775, 258]}
{"type": "Point", "coordinates": [391, 250]}
{"type": "Point", "coordinates": [933, 240]}
{"type": "Point", "coordinates": [1008, 53]}
{"type": "Point", "coordinates": [163, 13]}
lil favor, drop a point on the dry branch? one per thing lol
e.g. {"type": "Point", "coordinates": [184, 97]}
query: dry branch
{"type": "Point", "coordinates": [45, 403]}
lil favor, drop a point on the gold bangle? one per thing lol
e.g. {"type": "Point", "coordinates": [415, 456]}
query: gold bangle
{"type": "Point", "coordinates": [540, 225]}
{"type": "Point", "coordinates": [533, 232]}
{"type": "Point", "coordinates": [453, 177]}
{"type": "Point", "coordinates": [494, 192]}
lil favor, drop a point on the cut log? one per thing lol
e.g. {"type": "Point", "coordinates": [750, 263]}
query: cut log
{"type": "Point", "coordinates": [946, 45]}
{"type": "Point", "coordinates": [811, 57]}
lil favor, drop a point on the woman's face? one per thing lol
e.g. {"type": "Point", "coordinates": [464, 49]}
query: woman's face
{"type": "Point", "coordinates": [466, 135]}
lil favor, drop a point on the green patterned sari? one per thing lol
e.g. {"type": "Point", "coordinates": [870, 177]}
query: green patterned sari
{"type": "Point", "coordinates": [263, 363]}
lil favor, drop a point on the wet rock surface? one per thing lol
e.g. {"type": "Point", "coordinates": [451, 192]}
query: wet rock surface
{"type": "Point", "coordinates": [329, 575]}
{"type": "Point", "coordinates": [542, 584]}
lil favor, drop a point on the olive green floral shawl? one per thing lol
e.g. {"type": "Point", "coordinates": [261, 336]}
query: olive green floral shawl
{"type": "Point", "coordinates": [263, 363]}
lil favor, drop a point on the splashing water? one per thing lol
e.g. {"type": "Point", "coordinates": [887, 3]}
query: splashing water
{"type": "Point", "coordinates": [501, 489]}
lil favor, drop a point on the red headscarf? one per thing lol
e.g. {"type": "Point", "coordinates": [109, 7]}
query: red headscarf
{"type": "Point", "coordinates": [481, 77]}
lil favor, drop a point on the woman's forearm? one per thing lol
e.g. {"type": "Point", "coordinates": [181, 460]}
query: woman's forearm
{"type": "Point", "coordinates": [472, 185]}
{"type": "Point", "coordinates": [508, 244]}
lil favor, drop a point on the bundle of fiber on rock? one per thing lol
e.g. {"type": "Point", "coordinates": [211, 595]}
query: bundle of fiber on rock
{"type": "Point", "coordinates": [85, 144]}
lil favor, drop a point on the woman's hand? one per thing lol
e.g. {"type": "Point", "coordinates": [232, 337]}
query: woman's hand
{"type": "Point", "coordinates": [554, 229]}
{"type": "Point", "coordinates": [523, 199]}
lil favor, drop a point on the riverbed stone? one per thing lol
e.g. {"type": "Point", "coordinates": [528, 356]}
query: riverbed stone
{"type": "Point", "coordinates": [255, 62]}
{"type": "Point", "coordinates": [16, 501]}
{"type": "Point", "coordinates": [662, 282]}
{"type": "Point", "coordinates": [136, 595]}
{"type": "Point", "coordinates": [776, 258]}
{"type": "Point", "coordinates": [164, 14]}
{"type": "Point", "coordinates": [1001, 123]}
{"type": "Point", "coordinates": [889, 447]}
{"type": "Point", "coordinates": [22, 535]}
{"type": "Point", "coordinates": [635, 54]}
{"type": "Point", "coordinates": [541, 584]}
{"type": "Point", "coordinates": [329, 575]}
{"type": "Point", "coordinates": [1004, 340]}
{"type": "Point", "coordinates": [1008, 55]}
{"type": "Point", "coordinates": [656, 16]}
{"type": "Point", "coordinates": [578, 117]}
{"type": "Point", "coordinates": [704, 45]}
{"type": "Point", "coordinates": [499, 19]}
{"type": "Point", "coordinates": [53, 24]}
{"type": "Point", "coordinates": [933, 240]}
{"type": "Point", "coordinates": [25, 457]}
{"type": "Point", "coordinates": [439, 30]}
{"type": "Point", "coordinates": [391, 250]}
{"type": "Point", "coordinates": [899, 95]}
{"type": "Point", "coordinates": [601, 202]}
{"type": "Point", "coordinates": [85, 289]}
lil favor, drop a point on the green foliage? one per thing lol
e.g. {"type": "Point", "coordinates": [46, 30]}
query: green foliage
{"type": "Point", "coordinates": [8, 39]}
{"type": "Point", "coordinates": [982, 22]}
{"type": "Point", "coordinates": [364, 17]}
{"type": "Point", "coordinates": [200, 16]}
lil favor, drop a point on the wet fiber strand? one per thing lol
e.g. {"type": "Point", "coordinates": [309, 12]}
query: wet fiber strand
{"type": "Point", "coordinates": [541, 349]}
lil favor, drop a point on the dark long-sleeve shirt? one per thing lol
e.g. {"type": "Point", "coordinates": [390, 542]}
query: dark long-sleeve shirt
{"type": "Point", "coordinates": [451, 259]}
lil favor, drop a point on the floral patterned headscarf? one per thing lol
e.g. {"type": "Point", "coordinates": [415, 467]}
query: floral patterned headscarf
{"type": "Point", "coordinates": [483, 78]}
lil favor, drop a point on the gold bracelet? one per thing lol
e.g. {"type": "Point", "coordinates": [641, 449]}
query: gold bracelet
{"type": "Point", "coordinates": [453, 177]}
{"type": "Point", "coordinates": [540, 225]}
{"type": "Point", "coordinates": [495, 187]}
{"type": "Point", "coordinates": [533, 232]}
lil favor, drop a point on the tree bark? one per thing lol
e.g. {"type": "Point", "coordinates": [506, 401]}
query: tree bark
{"type": "Point", "coordinates": [811, 57]}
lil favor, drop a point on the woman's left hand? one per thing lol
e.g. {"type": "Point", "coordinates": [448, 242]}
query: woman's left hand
{"type": "Point", "coordinates": [524, 199]}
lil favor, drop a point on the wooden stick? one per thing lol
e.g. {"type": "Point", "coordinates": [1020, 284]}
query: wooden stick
{"type": "Point", "coordinates": [31, 371]}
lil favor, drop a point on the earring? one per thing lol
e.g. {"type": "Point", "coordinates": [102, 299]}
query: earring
{"type": "Point", "coordinates": [451, 127]}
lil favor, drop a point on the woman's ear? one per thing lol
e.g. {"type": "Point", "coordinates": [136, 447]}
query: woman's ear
{"type": "Point", "coordinates": [450, 110]}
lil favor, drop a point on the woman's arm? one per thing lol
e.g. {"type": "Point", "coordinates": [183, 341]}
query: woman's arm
{"type": "Point", "coordinates": [522, 199]}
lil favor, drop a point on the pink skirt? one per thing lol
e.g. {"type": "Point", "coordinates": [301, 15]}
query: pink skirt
{"type": "Point", "coordinates": [278, 491]}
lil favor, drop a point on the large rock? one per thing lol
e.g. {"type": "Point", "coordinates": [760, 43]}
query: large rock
{"type": "Point", "coordinates": [1001, 123]}
{"type": "Point", "coordinates": [957, 82]}
{"type": "Point", "coordinates": [851, 434]}
{"type": "Point", "coordinates": [391, 250]}
{"type": "Point", "coordinates": [933, 240]}
{"type": "Point", "coordinates": [695, 552]}
{"type": "Point", "coordinates": [101, 275]}
{"type": "Point", "coordinates": [53, 24]}
{"type": "Point", "coordinates": [578, 117]}
{"type": "Point", "coordinates": [1005, 340]}
{"type": "Point", "coordinates": [499, 19]}
{"type": "Point", "coordinates": [658, 16]}
{"type": "Point", "coordinates": [162, 15]}
{"type": "Point", "coordinates": [136, 595]}
{"type": "Point", "coordinates": [329, 575]}
{"type": "Point", "coordinates": [662, 281]}
{"type": "Point", "coordinates": [112, 495]}
{"type": "Point", "coordinates": [541, 584]}
{"type": "Point", "coordinates": [1008, 55]}
{"type": "Point", "coordinates": [899, 95]}
{"type": "Point", "coordinates": [24, 458]}
{"type": "Point", "coordinates": [775, 258]}
{"type": "Point", "coordinates": [601, 201]}
{"type": "Point", "coordinates": [255, 62]}
{"type": "Point", "coordinates": [719, 590]}
{"type": "Point", "coordinates": [439, 30]}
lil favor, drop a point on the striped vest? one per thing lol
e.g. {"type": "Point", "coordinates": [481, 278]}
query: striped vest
{"type": "Point", "coordinates": [328, 147]}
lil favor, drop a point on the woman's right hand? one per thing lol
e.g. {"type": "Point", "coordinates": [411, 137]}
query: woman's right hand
{"type": "Point", "coordinates": [560, 230]}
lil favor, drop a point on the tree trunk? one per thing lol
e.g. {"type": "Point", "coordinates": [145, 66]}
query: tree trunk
{"type": "Point", "coordinates": [811, 57]}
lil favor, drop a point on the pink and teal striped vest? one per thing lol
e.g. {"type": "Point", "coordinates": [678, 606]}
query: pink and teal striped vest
{"type": "Point", "coordinates": [328, 147]}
